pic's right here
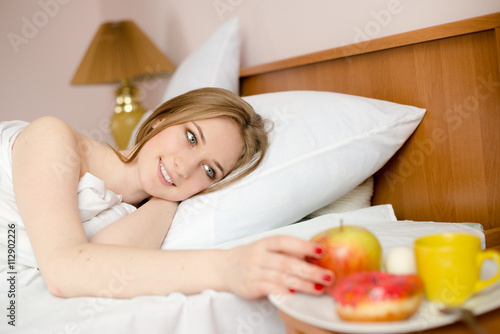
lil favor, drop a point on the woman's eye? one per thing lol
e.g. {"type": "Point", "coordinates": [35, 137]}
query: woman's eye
{"type": "Point", "coordinates": [210, 171]}
{"type": "Point", "coordinates": [191, 138]}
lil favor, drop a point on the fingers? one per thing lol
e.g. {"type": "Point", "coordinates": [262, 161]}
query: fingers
{"type": "Point", "coordinates": [294, 246]}
{"type": "Point", "coordinates": [288, 269]}
{"type": "Point", "coordinates": [297, 274]}
{"type": "Point", "coordinates": [276, 265]}
{"type": "Point", "coordinates": [275, 282]}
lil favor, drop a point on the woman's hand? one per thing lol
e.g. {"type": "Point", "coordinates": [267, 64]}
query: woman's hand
{"type": "Point", "coordinates": [275, 265]}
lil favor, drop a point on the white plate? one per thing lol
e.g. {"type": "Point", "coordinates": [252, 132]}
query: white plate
{"type": "Point", "coordinates": [320, 312]}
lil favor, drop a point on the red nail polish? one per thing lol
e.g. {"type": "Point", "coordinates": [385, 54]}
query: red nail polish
{"type": "Point", "coordinates": [327, 278]}
{"type": "Point", "coordinates": [318, 287]}
{"type": "Point", "coordinates": [318, 250]}
{"type": "Point", "coordinates": [291, 290]}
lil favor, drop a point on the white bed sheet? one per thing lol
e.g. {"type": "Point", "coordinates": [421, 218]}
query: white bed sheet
{"type": "Point", "coordinates": [207, 312]}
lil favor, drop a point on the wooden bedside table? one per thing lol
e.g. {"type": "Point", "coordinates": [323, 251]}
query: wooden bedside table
{"type": "Point", "coordinates": [490, 321]}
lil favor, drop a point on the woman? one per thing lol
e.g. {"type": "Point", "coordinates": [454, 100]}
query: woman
{"type": "Point", "coordinates": [194, 143]}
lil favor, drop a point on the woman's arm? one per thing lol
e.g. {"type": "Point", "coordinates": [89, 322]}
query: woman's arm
{"type": "Point", "coordinates": [146, 227]}
{"type": "Point", "coordinates": [46, 170]}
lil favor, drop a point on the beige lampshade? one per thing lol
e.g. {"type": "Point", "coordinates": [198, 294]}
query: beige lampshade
{"type": "Point", "coordinates": [120, 50]}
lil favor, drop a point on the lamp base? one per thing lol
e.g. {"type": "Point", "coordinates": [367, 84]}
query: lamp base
{"type": "Point", "coordinates": [128, 112]}
{"type": "Point", "coordinates": [122, 125]}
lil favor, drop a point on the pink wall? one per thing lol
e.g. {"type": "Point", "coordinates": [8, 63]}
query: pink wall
{"type": "Point", "coordinates": [44, 41]}
{"type": "Point", "coordinates": [278, 29]}
{"type": "Point", "coordinates": [42, 44]}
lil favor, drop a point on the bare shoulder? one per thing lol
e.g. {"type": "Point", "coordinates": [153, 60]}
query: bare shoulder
{"type": "Point", "coordinates": [49, 126]}
{"type": "Point", "coordinates": [47, 141]}
{"type": "Point", "coordinates": [48, 132]}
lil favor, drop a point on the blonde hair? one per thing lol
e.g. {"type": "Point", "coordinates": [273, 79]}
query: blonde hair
{"type": "Point", "coordinates": [207, 103]}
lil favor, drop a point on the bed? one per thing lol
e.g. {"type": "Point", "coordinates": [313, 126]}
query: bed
{"type": "Point", "coordinates": [442, 174]}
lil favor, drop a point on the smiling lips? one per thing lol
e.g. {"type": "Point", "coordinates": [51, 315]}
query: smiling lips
{"type": "Point", "coordinates": [164, 176]}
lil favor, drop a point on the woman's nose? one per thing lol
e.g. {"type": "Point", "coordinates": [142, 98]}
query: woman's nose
{"type": "Point", "coordinates": [184, 166]}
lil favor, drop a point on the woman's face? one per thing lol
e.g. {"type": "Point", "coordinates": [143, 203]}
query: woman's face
{"type": "Point", "coordinates": [184, 159]}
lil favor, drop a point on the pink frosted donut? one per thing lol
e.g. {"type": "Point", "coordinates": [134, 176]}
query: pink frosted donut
{"type": "Point", "coordinates": [377, 296]}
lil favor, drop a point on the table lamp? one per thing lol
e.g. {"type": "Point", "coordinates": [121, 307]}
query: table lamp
{"type": "Point", "coordinates": [119, 53]}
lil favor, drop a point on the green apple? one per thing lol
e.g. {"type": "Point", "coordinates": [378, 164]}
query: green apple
{"type": "Point", "coordinates": [348, 249]}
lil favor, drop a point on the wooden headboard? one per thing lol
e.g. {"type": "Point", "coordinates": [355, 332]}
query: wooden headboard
{"type": "Point", "coordinates": [449, 170]}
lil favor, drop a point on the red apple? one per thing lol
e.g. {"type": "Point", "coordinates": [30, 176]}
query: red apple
{"type": "Point", "coordinates": [348, 249]}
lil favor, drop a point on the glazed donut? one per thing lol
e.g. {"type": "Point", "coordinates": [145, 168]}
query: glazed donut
{"type": "Point", "coordinates": [377, 296]}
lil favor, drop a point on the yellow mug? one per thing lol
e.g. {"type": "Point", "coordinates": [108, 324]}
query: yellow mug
{"type": "Point", "coordinates": [449, 264]}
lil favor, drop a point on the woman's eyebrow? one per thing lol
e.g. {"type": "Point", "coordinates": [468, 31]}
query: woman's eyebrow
{"type": "Point", "coordinates": [203, 140]}
{"type": "Point", "coordinates": [220, 167]}
{"type": "Point", "coordinates": [202, 136]}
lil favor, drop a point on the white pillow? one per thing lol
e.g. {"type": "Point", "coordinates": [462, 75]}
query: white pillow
{"type": "Point", "coordinates": [368, 216]}
{"type": "Point", "coordinates": [322, 146]}
{"type": "Point", "coordinates": [358, 198]}
{"type": "Point", "coordinates": [215, 63]}
{"type": "Point", "coordinates": [389, 232]}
